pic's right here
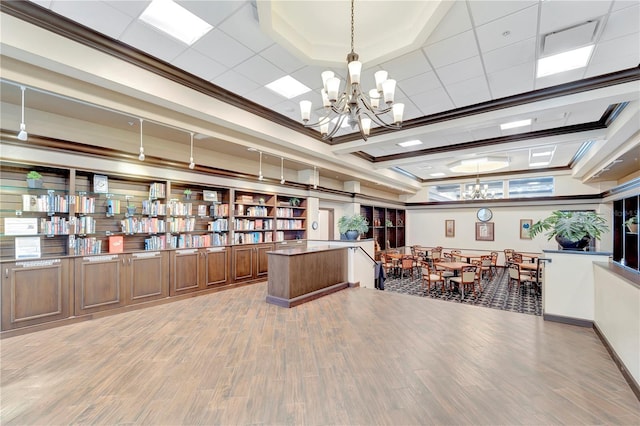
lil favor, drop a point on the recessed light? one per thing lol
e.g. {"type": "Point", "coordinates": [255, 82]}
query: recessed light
{"type": "Point", "coordinates": [176, 21]}
{"type": "Point", "coordinates": [514, 124]}
{"type": "Point", "coordinates": [541, 154]}
{"type": "Point", "coordinates": [437, 174]}
{"type": "Point", "coordinates": [539, 163]}
{"type": "Point", "coordinates": [288, 87]}
{"type": "Point", "coordinates": [410, 143]}
{"type": "Point", "coordinates": [565, 61]}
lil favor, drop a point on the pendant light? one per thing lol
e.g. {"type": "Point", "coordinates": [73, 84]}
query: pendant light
{"type": "Point", "coordinates": [260, 177]}
{"type": "Point", "coordinates": [141, 156]}
{"type": "Point", "coordinates": [192, 165]}
{"type": "Point", "coordinates": [281, 170]}
{"type": "Point", "coordinates": [22, 134]}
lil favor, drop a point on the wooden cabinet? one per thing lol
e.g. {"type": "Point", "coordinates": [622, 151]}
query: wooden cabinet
{"type": "Point", "coordinates": [198, 269]}
{"type": "Point", "coordinates": [146, 276]}
{"type": "Point", "coordinates": [250, 262]}
{"type": "Point", "coordinates": [35, 292]}
{"type": "Point", "coordinates": [99, 283]}
{"type": "Point", "coordinates": [386, 226]}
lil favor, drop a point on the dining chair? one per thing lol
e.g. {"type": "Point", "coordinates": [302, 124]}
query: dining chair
{"type": "Point", "coordinates": [516, 257]}
{"type": "Point", "coordinates": [516, 275]}
{"type": "Point", "coordinates": [431, 277]}
{"type": "Point", "coordinates": [407, 263]}
{"type": "Point", "coordinates": [494, 262]}
{"type": "Point", "coordinates": [486, 266]}
{"type": "Point", "coordinates": [387, 264]}
{"type": "Point", "coordinates": [508, 253]}
{"type": "Point", "coordinates": [467, 278]}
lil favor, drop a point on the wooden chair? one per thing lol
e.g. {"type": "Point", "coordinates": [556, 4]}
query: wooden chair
{"type": "Point", "coordinates": [407, 263]}
{"type": "Point", "coordinates": [387, 265]}
{"type": "Point", "coordinates": [516, 275]}
{"type": "Point", "coordinates": [508, 253]}
{"type": "Point", "coordinates": [516, 257]}
{"type": "Point", "coordinates": [431, 277]}
{"type": "Point", "coordinates": [486, 267]}
{"type": "Point", "coordinates": [494, 262]}
{"type": "Point", "coordinates": [468, 278]}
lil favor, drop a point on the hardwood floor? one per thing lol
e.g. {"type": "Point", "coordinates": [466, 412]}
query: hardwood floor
{"type": "Point", "coordinates": [358, 356]}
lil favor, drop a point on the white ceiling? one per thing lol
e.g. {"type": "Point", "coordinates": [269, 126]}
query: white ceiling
{"type": "Point", "coordinates": [479, 51]}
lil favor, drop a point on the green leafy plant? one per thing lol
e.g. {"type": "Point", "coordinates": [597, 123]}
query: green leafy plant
{"type": "Point", "coordinates": [633, 220]}
{"type": "Point", "coordinates": [571, 225]}
{"type": "Point", "coordinates": [34, 175]}
{"type": "Point", "coordinates": [294, 202]}
{"type": "Point", "coordinates": [353, 223]}
{"type": "Point", "coordinates": [187, 191]}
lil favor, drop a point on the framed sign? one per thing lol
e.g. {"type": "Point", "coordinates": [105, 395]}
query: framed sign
{"type": "Point", "coordinates": [525, 226]}
{"type": "Point", "coordinates": [100, 184]}
{"type": "Point", "coordinates": [484, 231]}
{"type": "Point", "coordinates": [449, 228]}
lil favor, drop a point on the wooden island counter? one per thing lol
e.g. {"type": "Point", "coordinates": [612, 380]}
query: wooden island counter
{"type": "Point", "coordinates": [303, 274]}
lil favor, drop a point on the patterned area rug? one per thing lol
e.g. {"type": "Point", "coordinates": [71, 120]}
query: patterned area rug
{"type": "Point", "coordinates": [495, 294]}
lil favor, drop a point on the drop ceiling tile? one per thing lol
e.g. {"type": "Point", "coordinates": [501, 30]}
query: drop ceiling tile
{"type": "Point", "coordinates": [155, 43]}
{"type": "Point", "coordinates": [549, 124]}
{"type": "Point", "coordinates": [281, 57]}
{"type": "Point", "coordinates": [456, 21]}
{"type": "Point", "coordinates": [198, 64]}
{"type": "Point", "coordinates": [621, 4]}
{"type": "Point", "coordinates": [510, 56]}
{"type": "Point", "coordinates": [407, 66]}
{"type": "Point", "coordinates": [235, 82]}
{"type": "Point", "coordinates": [214, 14]}
{"type": "Point", "coordinates": [469, 92]}
{"type": "Point", "coordinates": [561, 14]}
{"type": "Point", "coordinates": [622, 23]}
{"type": "Point", "coordinates": [617, 54]}
{"type": "Point", "coordinates": [223, 49]}
{"type": "Point", "coordinates": [460, 71]}
{"type": "Point", "coordinates": [411, 111]}
{"type": "Point", "coordinates": [511, 81]}
{"type": "Point", "coordinates": [264, 97]}
{"type": "Point", "coordinates": [433, 101]}
{"type": "Point", "coordinates": [130, 8]}
{"type": "Point", "coordinates": [259, 70]}
{"type": "Point", "coordinates": [420, 83]}
{"type": "Point", "coordinates": [244, 27]}
{"type": "Point", "coordinates": [94, 14]}
{"type": "Point", "coordinates": [451, 50]}
{"type": "Point", "coordinates": [44, 3]}
{"type": "Point", "coordinates": [310, 76]}
{"type": "Point", "coordinates": [486, 11]}
{"type": "Point", "coordinates": [520, 26]}
{"type": "Point", "coordinates": [560, 78]}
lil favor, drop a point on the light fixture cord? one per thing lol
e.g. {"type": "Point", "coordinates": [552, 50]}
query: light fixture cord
{"type": "Point", "coordinates": [352, 26]}
{"type": "Point", "coordinates": [23, 89]}
{"type": "Point", "coordinates": [191, 133]}
{"type": "Point", "coordinates": [141, 133]}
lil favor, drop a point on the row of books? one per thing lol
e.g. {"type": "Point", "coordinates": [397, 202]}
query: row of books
{"type": "Point", "coordinates": [290, 224]}
{"type": "Point", "coordinates": [251, 211]}
{"type": "Point", "coordinates": [85, 246]}
{"type": "Point", "coordinates": [250, 224]}
{"type": "Point", "coordinates": [180, 224]}
{"type": "Point", "coordinates": [244, 199]}
{"type": "Point", "coordinates": [155, 242]}
{"type": "Point", "coordinates": [50, 203]}
{"type": "Point", "coordinates": [252, 237]}
{"type": "Point", "coordinates": [177, 208]}
{"type": "Point", "coordinates": [285, 212]}
{"type": "Point", "coordinates": [220, 225]}
{"type": "Point", "coordinates": [187, 241]}
{"type": "Point", "coordinates": [219, 210]}
{"type": "Point", "coordinates": [157, 190]}
{"type": "Point", "coordinates": [154, 208]}
{"type": "Point", "coordinates": [146, 225]}
{"type": "Point", "coordinates": [57, 225]}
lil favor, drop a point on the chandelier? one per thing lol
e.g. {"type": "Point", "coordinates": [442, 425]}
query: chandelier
{"type": "Point", "coordinates": [477, 191]}
{"type": "Point", "coordinates": [359, 110]}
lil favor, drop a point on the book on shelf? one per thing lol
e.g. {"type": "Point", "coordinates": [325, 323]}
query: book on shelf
{"type": "Point", "coordinates": [116, 244]}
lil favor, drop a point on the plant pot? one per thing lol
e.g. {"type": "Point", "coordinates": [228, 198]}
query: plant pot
{"type": "Point", "coordinates": [633, 228]}
{"type": "Point", "coordinates": [351, 235]}
{"type": "Point", "coordinates": [34, 183]}
{"type": "Point", "coordinates": [568, 244]}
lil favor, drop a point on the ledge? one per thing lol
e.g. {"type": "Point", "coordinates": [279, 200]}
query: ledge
{"type": "Point", "coordinates": [581, 252]}
{"type": "Point", "coordinates": [623, 273]}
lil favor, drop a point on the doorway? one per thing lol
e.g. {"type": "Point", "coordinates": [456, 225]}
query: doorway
{"type": "Point", "coordinates": [325, 222]}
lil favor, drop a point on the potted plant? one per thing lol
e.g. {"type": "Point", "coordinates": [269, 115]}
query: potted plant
{"type": "Point", "coordinates": [34, 179]}
{"type": "Point", "coordinates": [294, 202]}
{"type": "Point", "coordinates": [632, 224]}
{"type": "Point", "coordinates": [573, 230]}
{"type": "Point", "coordinates": [187, 194]}
{"type": "Point", "coordinates": [352, 226]}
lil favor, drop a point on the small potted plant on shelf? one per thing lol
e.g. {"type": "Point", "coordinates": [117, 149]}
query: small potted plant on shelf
{"type": "Point", "coordinates": [388, 223]}
{"type": "Point", "coordinates": [187, 194]}
{"type": "Point", "coordinates": [632, 224]}
{"type": "Point", "coordinates": [294, 202]}
{"type": "Point", "coordinates": [34, 179]}
{"type": "Point", "coordinates": [352, 226]}
{"type": "Point", "coordinates": [573, 230]}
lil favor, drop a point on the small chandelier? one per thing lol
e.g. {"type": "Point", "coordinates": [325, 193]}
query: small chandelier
{"type": "Point", "coordinates": [352, 105]}
{"type": "Point", "coordinates": [478, 192]}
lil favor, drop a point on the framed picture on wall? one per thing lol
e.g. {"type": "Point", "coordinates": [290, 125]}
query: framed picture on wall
{"type": "Point", "coordinates": [525, 226]}
{"type": "Point", "coordinates": [484, 231]}
{"type": "Point", "coordinates": [449, 228]}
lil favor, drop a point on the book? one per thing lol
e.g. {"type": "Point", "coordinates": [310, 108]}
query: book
{"type": "Point", "coordinates": [116, 244]}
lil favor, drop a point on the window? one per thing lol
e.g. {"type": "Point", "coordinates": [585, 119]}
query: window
{"type": "Point", "coordinates": [444, 192]}
{"type": "Point", "coordinates": [531, 187]}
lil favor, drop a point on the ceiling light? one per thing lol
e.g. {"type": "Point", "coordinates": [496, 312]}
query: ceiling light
{"type": "Point", "coordinates": [566, 61]}
{"type": "Point", "coordinates": [410, 143]}
{"type": "Point", "coordinates": [514, 124]}
{"type": "Point", "coordinates": [541, 154]}
{"type": "Point", "coordinates": [288, 87]}
{"type": "Point", "coordinates": [539, 163]}
{"type": "Point", "coordinates": [22, 134]}
{"type": "Point", "coordinates": [192, 165]}
{"type": "Point", "coordinates": [141, 156]}
{"type": "Point", "coordinates": [353, 106]}
{"type": "Point", "coordinates": [480, 164]}
{"type": "Point", "coordinates": [437, 174]}
{"type": "Point", "coordinates": [175, 20]}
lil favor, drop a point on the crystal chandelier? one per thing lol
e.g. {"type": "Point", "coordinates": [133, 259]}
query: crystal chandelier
{"type": "Point", "coordinates": [477, 191]}
{"type": "Point", "coordinates": [352, 105]}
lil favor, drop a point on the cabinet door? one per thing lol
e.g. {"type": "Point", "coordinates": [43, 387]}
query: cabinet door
{"type": "Point", "coordinates": [34, 292]}
{"type": "Point", "coordinates": [243, 262]}
{"type": "Point", "coordinates": [262, 260]}
{"type": "Point", "coordinates": [147, 276]}
{"type": "Point", "coordinates": [184, 271]}
{"type": "Point", "coordinates": [99, 283]}
{"type": "Point", "coordinates": [216, 266]}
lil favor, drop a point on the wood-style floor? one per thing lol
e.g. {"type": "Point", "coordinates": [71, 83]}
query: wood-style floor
{"type": "Point", "coordinates": [355, 357]}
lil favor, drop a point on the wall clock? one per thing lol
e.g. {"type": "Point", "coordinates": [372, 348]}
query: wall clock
{"type": "Point", "coordinates": [314, 225]}
{"type": "Point", "coordinates": [484, 214]}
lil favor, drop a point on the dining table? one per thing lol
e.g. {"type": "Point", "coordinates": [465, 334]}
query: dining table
{"type": "Point", "coordinates": [456, 267]}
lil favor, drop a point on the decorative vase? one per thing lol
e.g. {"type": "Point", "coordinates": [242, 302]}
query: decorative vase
{"type": "Point", "coordinates": [633, 228]}
{"type": "Point", "coordinates": [568, 244]}
{"type": "Point", "coordinates": [352, 235]}
{"type": "Point", "coordinates": [34, 183]}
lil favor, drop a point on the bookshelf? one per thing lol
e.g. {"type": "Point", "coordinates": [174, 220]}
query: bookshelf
{"type": "Point", "coordinates": [386, 226]}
